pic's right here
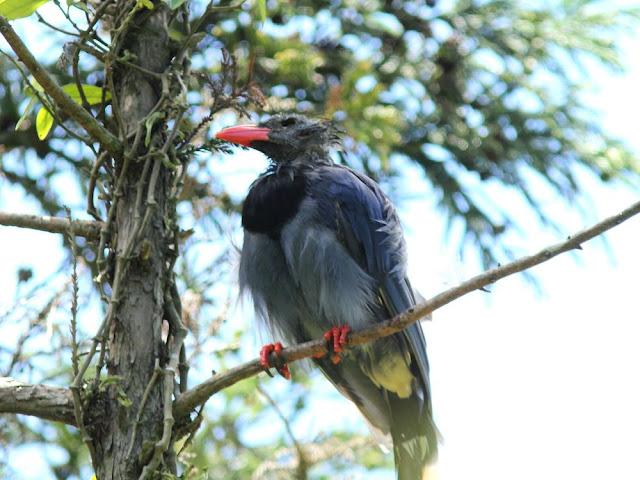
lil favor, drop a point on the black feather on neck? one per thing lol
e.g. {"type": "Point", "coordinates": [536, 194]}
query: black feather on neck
{"type": "Point", "coordinates": [273, 200]}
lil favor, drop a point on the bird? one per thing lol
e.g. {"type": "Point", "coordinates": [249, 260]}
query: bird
{"type": "Point", "coordinates": [323, 253]}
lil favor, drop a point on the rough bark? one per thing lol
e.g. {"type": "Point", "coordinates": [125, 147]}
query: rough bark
{"type": "Point", "coordinates": [135, 343]}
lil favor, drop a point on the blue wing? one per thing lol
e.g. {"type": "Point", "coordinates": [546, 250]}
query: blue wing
{"type": "Point", "coordinates": [366, 223]}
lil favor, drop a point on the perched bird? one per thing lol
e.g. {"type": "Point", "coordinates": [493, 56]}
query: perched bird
{"type": "Point", "coordinates": [323, 252]}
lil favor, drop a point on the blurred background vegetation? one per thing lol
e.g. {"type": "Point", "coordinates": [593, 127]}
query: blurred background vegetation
{"type": "Point", "coordinates": [466, 90]}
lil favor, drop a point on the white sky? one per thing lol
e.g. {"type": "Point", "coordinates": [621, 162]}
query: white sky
{"type": "Point", "coordinates": [526, 385]}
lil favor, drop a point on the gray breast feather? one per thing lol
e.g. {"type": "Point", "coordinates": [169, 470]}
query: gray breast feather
{"type": "Point", "coordinates": [264, 275]}
{"type": "Point", "coordinates": [335, 288]}
{"type": "Point", "coordinates": [307, 281]}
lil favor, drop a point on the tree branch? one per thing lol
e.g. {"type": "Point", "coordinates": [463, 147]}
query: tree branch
{"type": "Point", "coordinates": [62, 100]}
{"type": "Point", "coordinates": [56, 403]}
{"type": "Point", "coordinates": [199, 394]}
{"type": "Point", "coordinates": [83, 228]}
{"type": "Point", "coordinates": [42, 401]}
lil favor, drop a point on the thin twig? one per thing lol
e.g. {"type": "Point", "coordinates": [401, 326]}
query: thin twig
{"type": "Point", "coordinates": [145, 397]}
{"type": "Point", "coordinates": [35, 322]}
{"type": "Point", "coordinates": [211, 8]}
{"type": "Point", "coordinates": [53, 27]}
{"type": "Point", "coordinates": [74, 297]}
{"type": "Point", "coordinates": [78, 410]}
{"type": "Point", "coordinates": [191, 428]}
{"type": "Point", "coordinates": [302, 466]}
{"type": "Point", "coordinates": [178, 335]}
{"type": "Point", "coordinates": [93, 179]}
{"type": "Point", "coordinates": [174, 296]}
{"type": "Point", "coordinates": [78, 81]}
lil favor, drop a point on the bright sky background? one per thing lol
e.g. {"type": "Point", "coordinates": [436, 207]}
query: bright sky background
{"type": "Point", "coordinates": [526, 384]}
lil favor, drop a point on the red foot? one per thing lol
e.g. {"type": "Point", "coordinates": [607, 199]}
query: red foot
{"type": "Point", "coordinates": [336, 339]}
{"type": "Point", "coordinates": [265, 351]}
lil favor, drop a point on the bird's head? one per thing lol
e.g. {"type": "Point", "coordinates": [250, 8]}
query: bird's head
{"type": "Point", "coordinates": [286, 138]}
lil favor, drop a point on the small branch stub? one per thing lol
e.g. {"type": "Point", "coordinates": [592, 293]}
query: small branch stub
{"type": "Point", "coordinates": [42, 401]}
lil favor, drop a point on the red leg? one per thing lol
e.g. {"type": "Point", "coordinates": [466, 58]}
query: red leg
{"type": "Point", "coordinates": [336, 339]}
{"type": "Point", "coordinates": [265, 352]}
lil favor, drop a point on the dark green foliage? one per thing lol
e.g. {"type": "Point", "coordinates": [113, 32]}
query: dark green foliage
{"type": "Point", "coordinates": [488, 88]}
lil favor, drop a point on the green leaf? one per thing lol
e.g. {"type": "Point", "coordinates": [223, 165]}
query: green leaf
{"type": "Point", "coordinates": [27, 111]}
{"type": "Point", "coordinates": [33, 87]}
{"type": "Point", "coordinates": [13, 9]}
{"type": "Point", "coordinates": [108, 380]}
{"type": "Point", "coordinates": [173, 4]}
{"type": "Point", "coordinates": [91, 92]}
{"type": "Point", "coordinates": [123, 399]}
{"type": "Point", "coordinates": [140, 4]}
{"type": "Point", "coordinates": [44, 122]}
{"type": "Point", "coordinates": [44, 119]}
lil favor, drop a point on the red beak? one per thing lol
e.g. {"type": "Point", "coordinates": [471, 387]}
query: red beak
{"type": "Point", "coordinates": [244, 134]}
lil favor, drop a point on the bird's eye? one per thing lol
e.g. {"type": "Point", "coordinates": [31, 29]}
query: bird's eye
{"type": "Point", "coordinates": [287, 122]}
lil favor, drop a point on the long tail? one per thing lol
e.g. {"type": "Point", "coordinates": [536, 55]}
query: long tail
{"type": "Point", "coordinates": [415, 437]}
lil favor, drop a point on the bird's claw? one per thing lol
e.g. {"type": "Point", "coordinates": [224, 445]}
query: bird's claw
{"type": "Point", "coordinates": [280, 366]}
{"type": "Point", "coordinates": [336, 339]}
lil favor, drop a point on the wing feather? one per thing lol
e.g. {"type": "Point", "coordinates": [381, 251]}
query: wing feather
{"type": "Point", "coordinates": [368, 225]}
